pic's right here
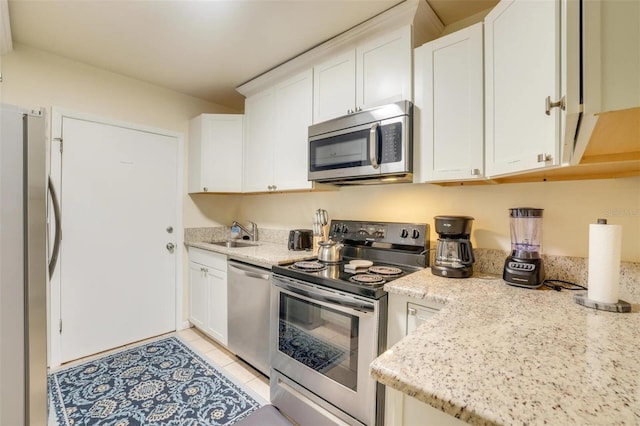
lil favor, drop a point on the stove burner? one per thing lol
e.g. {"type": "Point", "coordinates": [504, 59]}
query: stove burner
{"type": "Point", "coordinates": [367, 279]}
{"type": "Point", "coordinates": [309, 266]}
{"type": "Point", "coordinates": [387, 271]}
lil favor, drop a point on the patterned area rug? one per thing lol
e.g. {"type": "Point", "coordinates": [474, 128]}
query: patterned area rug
{"type": "Point", "coordinates": [307, 349]}
{"type": "Point", "coordinates": [159, 383]}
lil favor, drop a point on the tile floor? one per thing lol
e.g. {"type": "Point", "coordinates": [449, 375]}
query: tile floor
{"type": "Point", "coordinates": [221, 357]}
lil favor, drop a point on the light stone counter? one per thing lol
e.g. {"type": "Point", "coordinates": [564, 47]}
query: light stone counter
{"type": "Point", "coordinates": [497, 354]}
{"type": "Point", "coordinates": [271, 249]}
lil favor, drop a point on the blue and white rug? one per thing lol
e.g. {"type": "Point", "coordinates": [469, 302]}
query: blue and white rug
{"type": "Point", "coordinates": [159, 383]}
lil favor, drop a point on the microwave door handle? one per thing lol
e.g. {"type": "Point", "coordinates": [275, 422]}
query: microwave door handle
{"type": "Point", "coordinates": [373, 145]}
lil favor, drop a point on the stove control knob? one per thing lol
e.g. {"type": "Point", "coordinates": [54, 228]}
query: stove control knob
{"type": "Point", "coordinates": [336, 227]}
{"type": "Point", "coordinates": [415, 234]}
{"type": "Point", "coordinates": [345, 229]}
{"type": "Point", "coordinates": [404, 233]}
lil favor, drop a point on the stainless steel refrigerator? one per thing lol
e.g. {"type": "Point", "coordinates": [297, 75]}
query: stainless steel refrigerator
{"type": "Point", "coordinates": [23, 267]}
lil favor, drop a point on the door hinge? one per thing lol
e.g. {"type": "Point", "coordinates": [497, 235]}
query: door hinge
{"type": "Point", "coordinates": [59, 140]}
{"type": "Point", "coordinates": [60, 326]}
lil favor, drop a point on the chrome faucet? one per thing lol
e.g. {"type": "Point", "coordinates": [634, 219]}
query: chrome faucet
{"type": "Point", "coordinates": [253, 233]}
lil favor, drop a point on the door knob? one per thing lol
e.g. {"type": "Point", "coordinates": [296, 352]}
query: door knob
{"type": "Point", "coordinates": [170, 247]}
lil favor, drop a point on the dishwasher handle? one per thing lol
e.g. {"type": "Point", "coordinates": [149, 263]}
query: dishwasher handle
{"type": "Point", "coordinates": [246, 270]}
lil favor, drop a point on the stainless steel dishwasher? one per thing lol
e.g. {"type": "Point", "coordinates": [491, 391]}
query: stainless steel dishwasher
{"type": "Point", "coordinates": [248, 302]}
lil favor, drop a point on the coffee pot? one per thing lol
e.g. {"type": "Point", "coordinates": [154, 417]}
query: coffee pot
{"type": "Point", "coordinates": [454, 254]}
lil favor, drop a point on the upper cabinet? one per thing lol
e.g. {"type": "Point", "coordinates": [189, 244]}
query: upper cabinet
{"type": "Point", "coordinates": [276, 126]}
{"type": "Point", "coordinates": [524, 90]}
{"type": "Point", "coordinates": [448, 115]}
{"type": "Point", "coordinates": [375, 73]}
{"type": "Point", "coordinates": [215, 153]}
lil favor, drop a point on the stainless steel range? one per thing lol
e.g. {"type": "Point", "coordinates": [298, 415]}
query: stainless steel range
{"type": "Point", "coordinates": [328, 322]}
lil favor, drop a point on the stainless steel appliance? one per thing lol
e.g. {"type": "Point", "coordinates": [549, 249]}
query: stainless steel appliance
{"type": "Point", "coordinates": [23, 267]}
{"type": "Point", "coordinates": [454, 254]}
{"type": "Point", "coordinates": [300, 239]}
{"type": "Point", "coordinates": [371, 146]}
{"type": "Point", "coordinates": [248, 295]}
{"type": "Point", "coordinates": [328, 323]}
{"type": "Point", "coordinates": [524, 267]}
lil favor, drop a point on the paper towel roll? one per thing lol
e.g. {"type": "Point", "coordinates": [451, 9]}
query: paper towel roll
{"type": "Point", "coordinates": [604, 262]}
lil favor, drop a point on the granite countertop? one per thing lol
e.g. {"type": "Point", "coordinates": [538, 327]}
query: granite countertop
{"type": "Point", "coordinates": [497, 354]}
{"type": "Point", "coordinates": [264, 254]}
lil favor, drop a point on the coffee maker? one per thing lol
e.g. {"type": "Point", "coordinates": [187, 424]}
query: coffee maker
{"type": "Point", "coordinates": [524, 267]}
{"type": "Point", "coordinates": [454, 253]}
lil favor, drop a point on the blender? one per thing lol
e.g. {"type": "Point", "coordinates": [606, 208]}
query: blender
{"type": "Point", "coordinates": [454, 253]}
{"type": "Point", "coordinates": [524, 267]}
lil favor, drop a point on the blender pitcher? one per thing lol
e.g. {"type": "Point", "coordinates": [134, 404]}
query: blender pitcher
{"type": "Point", "coordinates": [524, 266]}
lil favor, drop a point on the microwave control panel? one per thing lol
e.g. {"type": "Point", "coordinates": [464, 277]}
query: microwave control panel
{"type": "Point", "coordinates": [391, 137]}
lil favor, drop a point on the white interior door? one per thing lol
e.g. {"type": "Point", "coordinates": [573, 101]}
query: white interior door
{"type": "Point", "coordinates": [118, 197]}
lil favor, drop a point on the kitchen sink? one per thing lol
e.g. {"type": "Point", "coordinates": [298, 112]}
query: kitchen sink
{"type": "Point", "coordinates": [233, 244]}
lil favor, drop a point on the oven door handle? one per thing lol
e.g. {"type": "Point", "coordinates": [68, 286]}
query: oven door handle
{"type": "Point", "coordinates": [347, 303]}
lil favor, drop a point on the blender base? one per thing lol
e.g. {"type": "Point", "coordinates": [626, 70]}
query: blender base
{"type": "Point", "coordinates": [621, 306]}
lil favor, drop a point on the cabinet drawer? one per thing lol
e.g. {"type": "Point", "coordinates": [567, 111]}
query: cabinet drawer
{"type": "Point", "coordinates": [208, 258]}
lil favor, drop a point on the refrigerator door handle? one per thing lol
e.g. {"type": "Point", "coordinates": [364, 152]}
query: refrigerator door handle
{"type": "Point", "coordinates": [58, 235]}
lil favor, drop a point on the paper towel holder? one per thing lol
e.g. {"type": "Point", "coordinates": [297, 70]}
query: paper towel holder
{"type": "Point", "coordinates": [582, 298]}
{"type": "Point", "coordinates": [621, 306]}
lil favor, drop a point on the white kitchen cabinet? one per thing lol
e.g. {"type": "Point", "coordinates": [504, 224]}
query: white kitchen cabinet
{"type": "Point", "coordinates": [334, 87]}
{"type": "Point", "coordinates": [375, 73]}
{"type": "Point", "coordinates": [276, 129]}
{"type": "Point", "coordinates": [208, 293]}
{"type": "Point", "coordinates": [524, 77]}
{"type": "Point", "coordinates": [215, 153]}
{"type": "Point", "coordinates": [449, 108]}
{"type": "Point", "coordinates": [405, 315]}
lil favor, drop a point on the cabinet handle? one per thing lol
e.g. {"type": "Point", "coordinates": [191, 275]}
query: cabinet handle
{"type": "Point", "coordinates": [548, 104]}
{"type": "Point", "coordinates": [205, 189]}
{"type": "Point", "coordinates": [543, 158]}
{"type": "Point", "coordinates": [373, 145]}
{"type": "Point", "coordinates": [358, 109]}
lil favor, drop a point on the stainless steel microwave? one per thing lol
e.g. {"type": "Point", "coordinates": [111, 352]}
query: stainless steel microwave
{"type": "Point", "coordinates": [371, 146]}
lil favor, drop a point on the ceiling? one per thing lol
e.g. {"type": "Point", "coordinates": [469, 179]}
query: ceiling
{"type": "Point", "coordinates": [200, 48]}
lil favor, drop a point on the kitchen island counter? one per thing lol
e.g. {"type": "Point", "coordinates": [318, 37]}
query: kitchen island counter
{"type": "Point", "coordinates": [497, 354]}
{"type": "Point", "coordinates": [263, 254]}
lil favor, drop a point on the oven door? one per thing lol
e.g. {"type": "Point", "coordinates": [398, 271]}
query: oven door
{"type": "Point", "coordinates": [369, 150]}
{"type": "Point", "coordinates": [324, 341]}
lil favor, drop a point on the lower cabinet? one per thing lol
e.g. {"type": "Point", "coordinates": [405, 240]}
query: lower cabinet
{"type": "Point", "coordinates": [405, 315]}
{"type": "Point", "coordinates": [208, 293]}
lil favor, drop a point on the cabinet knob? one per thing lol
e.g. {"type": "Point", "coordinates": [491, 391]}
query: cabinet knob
{"type": "Point", "coordinates": [358, 109]}
{"type": "Point", "coordinates": [205, 189]}
{"type": "Point", "coordinates": [412, 311]}
{"type": "Point", "coordinates": [475, 172]}
{"type": "Point", "coordinates": [558, 104]}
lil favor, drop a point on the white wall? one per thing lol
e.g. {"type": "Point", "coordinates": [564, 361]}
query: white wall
{"type": "Point", "coordinates": [34, 78]}
{"type": "Point", "coordinates": [569, 208]}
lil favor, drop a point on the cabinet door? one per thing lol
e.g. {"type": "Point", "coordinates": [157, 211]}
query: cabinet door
{"type": "Point", "coordinates": [215, 153]}
{"type": "Point", "coordinates": [449, 131]}
{"type": "Point", "coordinates": [383, 70]}
{"type": "Point", "coordinates": [216, 324]}
{"type": "Point", "coordinates": [293, 117]}
{"type": "Point", "coordinates": [197, 295]}
{"type": "Point", "coordinates": [334, 87]}
{"type": "Point", "coordinates": [522, 69]}
{"type": "Point", "coordinates": [258, 152]}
